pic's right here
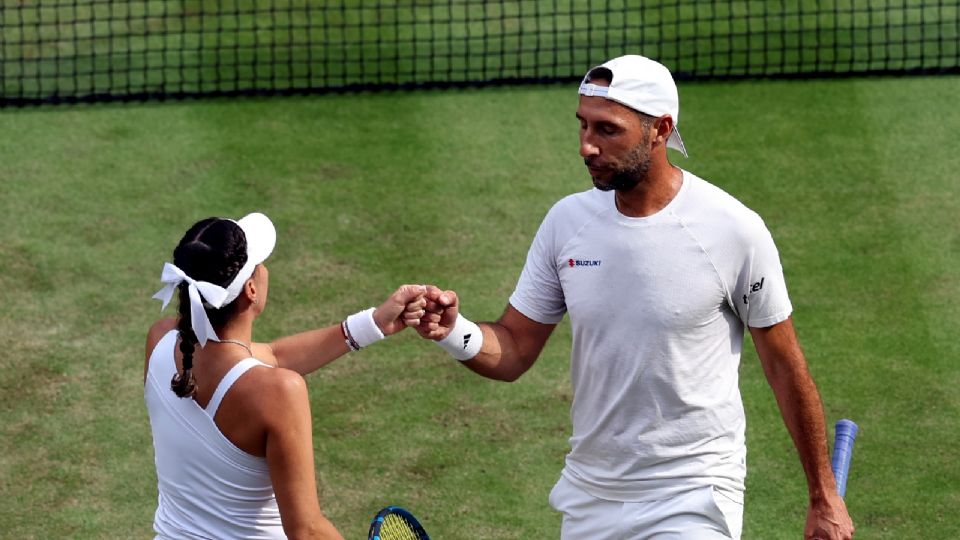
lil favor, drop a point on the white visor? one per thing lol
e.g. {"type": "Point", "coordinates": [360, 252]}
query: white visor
{"type": "Point", "coordinates": [261, 238]}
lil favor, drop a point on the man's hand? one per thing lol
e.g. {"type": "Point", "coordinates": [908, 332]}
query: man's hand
{"type": "Point", "coordinates": [828, 520]}
{"type": "Point", "coordinates": [440, 313]}
{"type": "Point", "coordinates": [403, 308]}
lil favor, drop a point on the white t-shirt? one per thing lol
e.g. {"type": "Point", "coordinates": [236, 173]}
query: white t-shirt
{"type": "Point", "coordinates": [657, 307]}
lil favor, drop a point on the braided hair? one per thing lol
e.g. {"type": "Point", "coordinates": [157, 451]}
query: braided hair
{"type": "Point", "coordinates": [213, 250]}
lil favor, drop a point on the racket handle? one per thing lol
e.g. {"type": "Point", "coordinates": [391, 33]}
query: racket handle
{"type": "Point", "coordinates": [846, 434]}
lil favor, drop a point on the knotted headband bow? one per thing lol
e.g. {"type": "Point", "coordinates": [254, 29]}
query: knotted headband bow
{"type": "Point", "coordinates": [199, 292]}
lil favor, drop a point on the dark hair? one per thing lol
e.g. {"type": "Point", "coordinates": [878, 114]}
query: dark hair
{"type": "Point", "coordinates": [213, 250]}
{"type": "Point", "coordinates": [600, 73]}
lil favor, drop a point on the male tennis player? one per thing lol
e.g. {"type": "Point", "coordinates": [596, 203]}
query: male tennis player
{"type": "Point", "coordinates": [660, 272]}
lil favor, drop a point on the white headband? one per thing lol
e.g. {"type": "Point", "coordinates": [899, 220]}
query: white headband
{"type": "Point", "coordinates": [261, 237]}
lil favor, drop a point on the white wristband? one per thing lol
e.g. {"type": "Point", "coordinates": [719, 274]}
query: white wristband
{"type": "Point", "coordinates": [464, 340]}
{"type": "Point", "coordinates": [362, 329]}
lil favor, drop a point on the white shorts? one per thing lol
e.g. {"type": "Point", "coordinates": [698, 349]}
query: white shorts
{"type": "Point", "coordinates": [703, 513]}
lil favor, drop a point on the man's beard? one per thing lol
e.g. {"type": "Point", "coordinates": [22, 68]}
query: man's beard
{"type": "Point", "coordinates": [630, 173]}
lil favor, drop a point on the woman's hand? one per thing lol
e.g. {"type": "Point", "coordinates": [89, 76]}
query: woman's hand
{"type": "Point", "coordinates": [403, 308]}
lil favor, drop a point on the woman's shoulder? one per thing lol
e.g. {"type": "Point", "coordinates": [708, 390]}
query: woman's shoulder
{"type": "Point", "coordinates": [158, 330]}
{"type": "Point", "coordinates": [277, 384]}
{"type": "Point", "coordinates": [270, 393]}
{"type": "Point", "coordinates": [270, 377]}
{"type": "Point", "coordinates": [154, 335]}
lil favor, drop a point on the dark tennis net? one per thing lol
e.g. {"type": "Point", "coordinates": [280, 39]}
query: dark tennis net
{"type": "Point", "coordinates": [90, 50]}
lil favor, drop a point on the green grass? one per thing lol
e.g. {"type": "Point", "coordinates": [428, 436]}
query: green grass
{"type": "Point", "coordinates": [857, 179]}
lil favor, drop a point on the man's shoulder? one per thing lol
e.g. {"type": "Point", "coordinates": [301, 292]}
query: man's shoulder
{"type": "Point", "coordinates": [710, 202]}
{"type": "Point", "coordinates": [570, 213]}
{"type": "Point", "coordinates": [590, 197]}
{"type": "Point", "coordinates": [586, 203]}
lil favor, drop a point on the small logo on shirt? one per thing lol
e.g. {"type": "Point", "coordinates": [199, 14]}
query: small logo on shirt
{"type": "Point", "coordinates": [753, 288]}
{"type": "Point", "coordinates": [580, 262]}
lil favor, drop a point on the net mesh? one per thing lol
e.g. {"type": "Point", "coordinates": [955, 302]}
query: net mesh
{"type": "Point", "coordinates": [86, 50]}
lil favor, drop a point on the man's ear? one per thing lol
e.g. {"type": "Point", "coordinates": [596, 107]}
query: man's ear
{"type": "Point", "coordinates": [664, 127]}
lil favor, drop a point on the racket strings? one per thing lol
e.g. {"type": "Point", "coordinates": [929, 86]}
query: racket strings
{"type": "Point", "coordinates": [395, 527]}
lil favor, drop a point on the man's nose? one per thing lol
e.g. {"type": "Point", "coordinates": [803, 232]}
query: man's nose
{"type": "Point", "coordinates": [588, 148]}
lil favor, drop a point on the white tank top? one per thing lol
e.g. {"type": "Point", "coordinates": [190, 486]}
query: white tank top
{"type": "Point", "coordinates": [208, 488]}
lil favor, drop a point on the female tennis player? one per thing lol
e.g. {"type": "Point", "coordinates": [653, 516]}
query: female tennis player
{"type": "Point", "coordinates": [231, 418]}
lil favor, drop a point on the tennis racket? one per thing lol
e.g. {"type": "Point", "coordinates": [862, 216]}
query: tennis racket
{"type": "Point", "coordinates": [395, 523]}
{"type": "Point", "coordinates": [846, 434]}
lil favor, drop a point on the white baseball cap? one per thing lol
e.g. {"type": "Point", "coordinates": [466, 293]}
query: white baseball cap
{"type": "Point", "coordinates": [644, 85]}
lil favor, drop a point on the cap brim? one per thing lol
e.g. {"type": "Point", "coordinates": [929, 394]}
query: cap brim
{"type": "Point", "coordinates": [261, 236]}
{"type": "Point", "coordinates": [676, 142]}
